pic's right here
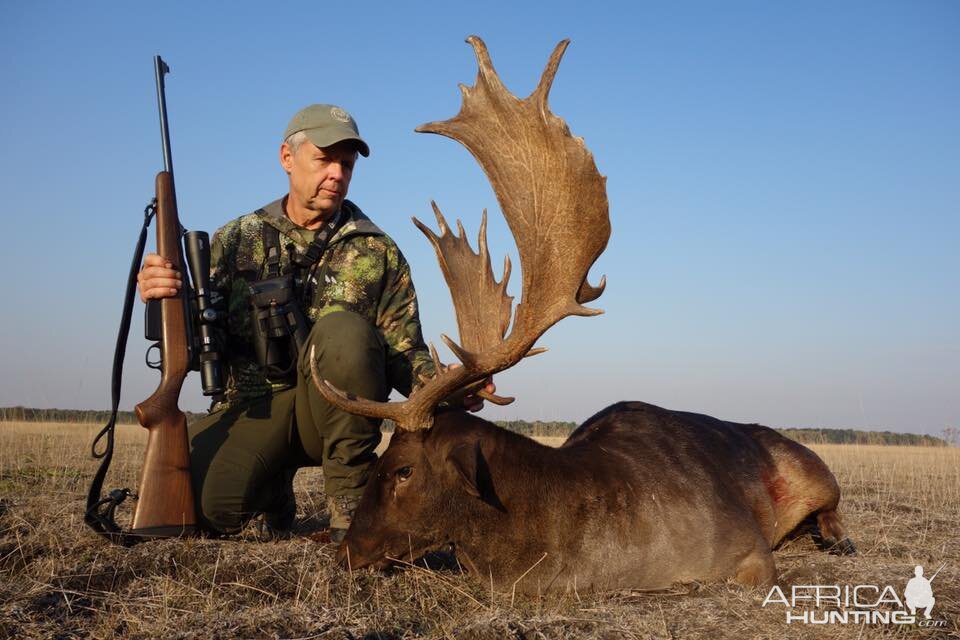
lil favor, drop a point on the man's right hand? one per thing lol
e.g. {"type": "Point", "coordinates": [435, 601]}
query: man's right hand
{"type": "Point", "coordinates": [157, 278]}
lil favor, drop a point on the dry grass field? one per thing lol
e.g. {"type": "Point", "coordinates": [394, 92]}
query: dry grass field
{"type": "Point", "coordinates": [58, 580]}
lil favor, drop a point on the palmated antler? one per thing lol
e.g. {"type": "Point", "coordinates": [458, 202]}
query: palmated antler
{"type": "Point", "coordinates": [554, 201]}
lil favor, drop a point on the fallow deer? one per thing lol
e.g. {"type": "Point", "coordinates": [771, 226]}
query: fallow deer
{"type": "Point", "coordinates": [638, 496]}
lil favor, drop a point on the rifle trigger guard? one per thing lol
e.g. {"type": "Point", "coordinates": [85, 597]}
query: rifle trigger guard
{"type": "Point", "coordinates": [153, 364]}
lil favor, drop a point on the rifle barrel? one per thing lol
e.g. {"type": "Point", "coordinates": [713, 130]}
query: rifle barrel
{"type": "Point", "coordinates": [160, 69]}
{"type": "Point", "coordinates": [937, 571]}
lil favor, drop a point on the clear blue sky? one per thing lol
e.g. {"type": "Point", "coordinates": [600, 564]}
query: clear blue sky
{"type": "Point", "coordinates": [784, 181]}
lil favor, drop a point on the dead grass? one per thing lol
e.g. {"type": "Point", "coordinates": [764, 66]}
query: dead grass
{"type": "Point", "coordinates": [57, 579]}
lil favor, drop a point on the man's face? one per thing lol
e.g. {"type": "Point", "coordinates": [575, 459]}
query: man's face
{"type": "Point", "coordinates": [319, 177]}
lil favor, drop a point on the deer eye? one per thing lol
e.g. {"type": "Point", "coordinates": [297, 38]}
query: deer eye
{"type": "Point", "coordinates": [404, 473]}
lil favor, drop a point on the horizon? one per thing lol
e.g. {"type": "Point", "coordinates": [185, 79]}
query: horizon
{"type": "Point", "coordinates": [948, 435]}
{"type": "Point", "coordinates": [783, 184]}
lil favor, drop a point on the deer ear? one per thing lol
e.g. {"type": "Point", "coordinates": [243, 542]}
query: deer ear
{"type": "Point", "coordinates": [465, 460]}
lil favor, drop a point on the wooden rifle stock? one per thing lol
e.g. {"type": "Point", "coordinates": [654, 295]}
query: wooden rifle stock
{"type": "Point", "coordinates": [165, 504]}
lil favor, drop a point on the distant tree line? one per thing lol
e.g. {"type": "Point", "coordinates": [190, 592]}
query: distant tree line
{"type": "Point", "coordinates": [856, 436]}
{"type": "Point", "coordinates": [539, 428]}
{"type": "Point", "coordinates": [535, 429]}
{"type": "Point", "coordinates": [85, 416]}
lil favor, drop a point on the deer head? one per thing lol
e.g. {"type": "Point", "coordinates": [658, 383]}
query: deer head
{"type": "Point", "coordinates": [555, 203]}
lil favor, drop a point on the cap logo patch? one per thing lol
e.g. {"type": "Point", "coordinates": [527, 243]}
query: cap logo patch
{"type": "Point", "coordinates": [339, 114]}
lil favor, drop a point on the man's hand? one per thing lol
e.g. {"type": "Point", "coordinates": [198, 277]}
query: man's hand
{"type": "Point", "coordinates": [157, 279]}
{"type": "Point", "coordinates": [473, 402]}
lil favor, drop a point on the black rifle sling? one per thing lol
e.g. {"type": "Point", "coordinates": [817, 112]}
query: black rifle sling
{"type": "Point", "coordinates": [271, 248]}
{"type": "Point", "coordinates": [309, 261]}
{"type": "Point", "coordinates": [100, 510]}
{"type": "Point", "coordinates": [305, 263]}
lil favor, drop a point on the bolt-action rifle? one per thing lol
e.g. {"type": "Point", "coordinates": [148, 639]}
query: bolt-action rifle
{"type": "Point", "coordinates": [183, 327]}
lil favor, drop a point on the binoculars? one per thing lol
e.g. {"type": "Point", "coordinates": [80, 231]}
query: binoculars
{"type": "Point", "coordinates": [279, 327]}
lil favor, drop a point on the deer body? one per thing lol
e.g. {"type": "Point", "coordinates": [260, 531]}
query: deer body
{"type": "Point", "coordinates": [637, 497]}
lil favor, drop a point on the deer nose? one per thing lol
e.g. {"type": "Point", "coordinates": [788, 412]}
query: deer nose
{"type": "Point", "coordinates": [351, 556]}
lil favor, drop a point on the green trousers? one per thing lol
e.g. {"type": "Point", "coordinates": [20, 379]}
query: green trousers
{"type": "Point", "coordinates": [243, 458]}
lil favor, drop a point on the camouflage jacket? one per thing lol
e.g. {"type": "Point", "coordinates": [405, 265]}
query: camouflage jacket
{"type": "Point", "coordinates": [361, 271]}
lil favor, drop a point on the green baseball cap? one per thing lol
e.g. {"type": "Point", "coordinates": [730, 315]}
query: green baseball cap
{"type": "Point", "coordinates": [326, 125]}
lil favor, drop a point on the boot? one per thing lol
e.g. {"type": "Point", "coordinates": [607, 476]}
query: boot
{"type": "Point", "coordinates": [341, 514]}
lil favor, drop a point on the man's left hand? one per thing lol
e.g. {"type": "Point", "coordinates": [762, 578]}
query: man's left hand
{"type": "Point", "coordinates": [473, 402]}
